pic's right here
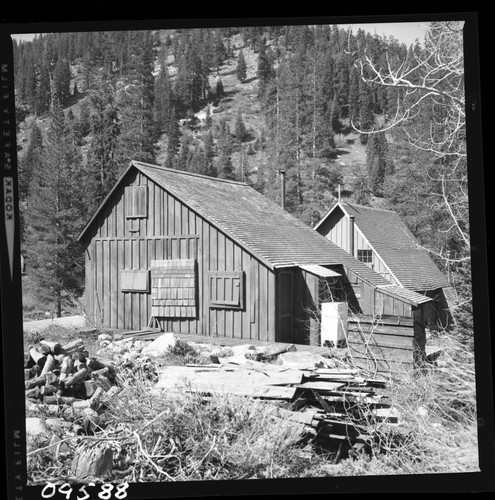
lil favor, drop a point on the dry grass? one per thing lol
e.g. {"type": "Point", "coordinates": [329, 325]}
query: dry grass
{"type": "Point", "coordinates": [163, 435]}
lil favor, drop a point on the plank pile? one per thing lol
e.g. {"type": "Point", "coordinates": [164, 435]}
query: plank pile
{"type": "Point", "coordinates": [63, 377]}
{"type": "Point", "coordinates": [335, 405]}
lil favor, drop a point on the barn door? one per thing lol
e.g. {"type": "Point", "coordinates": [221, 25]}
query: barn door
{"type": "Point", "coordinates": [285, 306]}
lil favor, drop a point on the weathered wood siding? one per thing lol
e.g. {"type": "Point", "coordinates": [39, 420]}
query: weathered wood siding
{"type": "Point", "coordinates": [336, 228]}
{"type": "Point", "coordinates": [387, 340]}
{"type": "Point", "coordinates": [172, 231]}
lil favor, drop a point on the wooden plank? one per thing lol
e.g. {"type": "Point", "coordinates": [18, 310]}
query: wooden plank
{"type": "Point", "coordinates": [403, 331]}
{"type": "Point", "coordinates": [263, 303]}
{"type": "Point", "coordinates": [401, 342]}
{"type": "Point", "coordinates": [383, 320]}
{"type": "Point", "coordinates": [246, 383]}
{"type": "Point", "coordinates": [321, 386]}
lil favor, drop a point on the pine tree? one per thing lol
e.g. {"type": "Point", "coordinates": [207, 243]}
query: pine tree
{"type": "Point", "coordinates": [377, 162]}
{"type": "Point", "coordinates": [240, 128]}
{"type": "Point", "coordinates": [55, 216]}
{"type": "Point", "coordinates": [266, 71]}
{"type": "Point", "coordinates": [103, 165]}
{"type": "Point", "coordinates": [163, 100]}
{"type": "Point", "coordinates": [135, 101]}
{"type": "Point", "coordinates": [30, 161]}
{"type": "Point", "coordinates": [225, 167]}
{"type": "Point", "coordinates": [61, 80]}
{"type": "Point", "coordinates": [209, 152]}
{"type": "Point", "coordinates": [173, 133]}
{"type": "Point", "coordinates": [241, 68]}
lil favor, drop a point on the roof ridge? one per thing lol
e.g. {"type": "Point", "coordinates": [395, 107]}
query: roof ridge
{"type": "Point", "coordinates": [368, 207]}
{"type": "Point", "coordinates": [183, 172]}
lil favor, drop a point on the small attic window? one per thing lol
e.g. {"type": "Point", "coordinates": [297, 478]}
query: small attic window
{"type": "Point", "coordinates": [365, 256]}
{"type": "Point", "coordinates": [136, 202]}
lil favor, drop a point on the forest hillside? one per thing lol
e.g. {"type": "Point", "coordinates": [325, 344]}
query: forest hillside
{"type": "Point", "coordinates": [332, 108]}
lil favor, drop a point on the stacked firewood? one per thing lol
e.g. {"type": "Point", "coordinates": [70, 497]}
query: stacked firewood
{"type": "Point", "coordinates": [68, 377]}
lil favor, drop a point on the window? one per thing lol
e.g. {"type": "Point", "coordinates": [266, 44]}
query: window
{"type": "Point", "coordinates": [365, 256]}
{"type": "Point", "coordinates": [226, 289]}
{"type": "Point", "coordinates": [136, 202]}
{"type": "Point", "coordinates": [134, 281]}
{"type": "Point", "coordinates": [173, 288]}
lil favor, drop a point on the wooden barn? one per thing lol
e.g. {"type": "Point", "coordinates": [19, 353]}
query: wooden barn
{"type": "Point", "coordinates": [207, 256]}
{"type": "Point", "coordinates": [380, 239]}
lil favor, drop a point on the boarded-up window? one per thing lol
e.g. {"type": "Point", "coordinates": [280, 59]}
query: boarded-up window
{"type": "Point", "coordinates": [134, 281]}
{"type": "Point", "coordinates": [173, 288]}
{"type": "Point", "coordinates": [136, 202]}
{"type": "Point", "coordinates": [226, 289]}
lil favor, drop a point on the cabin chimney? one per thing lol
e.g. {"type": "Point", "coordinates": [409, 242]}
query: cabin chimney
{"type": "Point", "coordinates": [351, 235]}
{"type": "Point", "coordinates": [282, 188]}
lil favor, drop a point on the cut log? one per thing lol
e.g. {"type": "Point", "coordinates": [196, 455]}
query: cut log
{"type": "Point", "coordinates": [51, 378]}
{"type": "Point", "coordinates": [54, 348]}
{"type": "Point", "coordinates": [92, 402]}
{"type": "Point", "coordinates": [34, 382]}
{"type": "Point", "coordinates": [88, 388]}
{"type": "Point", "coordinates": [48, 390]}
{"type": "Point", "coordinates": [66, 367]}
{"type": "Point", "coordinates": [38, 357]}
{"type": "Point", "coordinates": [73, 346]}
{"type": "Point", "coordinates": [92, 459]}
{"type": "Point", "coordinates": [55, 400]}
{"type": "Point", "coordinates": [76, 377]}
{"type": "Point", "coordinates": [33, 393]}
{"type": "Point", "coordinates": [95, 364]}
{"type": "Point", "coordinates": [49, 364]}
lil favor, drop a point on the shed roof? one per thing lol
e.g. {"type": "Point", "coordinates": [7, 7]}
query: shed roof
{"type": "Point", "coordinates": [395, 244]}
{"type": "Point", "coordinates": [260, 226]}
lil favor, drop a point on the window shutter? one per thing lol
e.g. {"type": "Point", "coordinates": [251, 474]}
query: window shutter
{"type": "Point", "coordinates": [136, 201]}
{"type": "Point", "coordinates": [173, 288]}
{"type": "Point", "coordinates": [134, 281]}
{"type": "Point", "coordinates": [226, 289]}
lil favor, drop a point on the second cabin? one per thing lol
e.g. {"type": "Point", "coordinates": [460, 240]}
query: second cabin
{"type": "Point", "coordinates": [193, 254]}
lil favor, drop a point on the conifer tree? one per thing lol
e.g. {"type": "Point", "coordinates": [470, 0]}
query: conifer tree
{"type": "Point", "coordinates": [225, 167]}
{"type": "Point", "coordinates": [378, 162]}
{"type": "Point", "coordinates": [163, 100]}
{"type": "Point", "coordinates": [135, 101]}
{"type": "Point", "coordinates": [266, 71]}
{"type": "Point", "coordinates": [102, 162]}
{"type": "Point", "coordinates": [240, 128]}
{"type": "Point", "coordinates": [55, 216]}
{"type": "Point", "coordinates": [173, 145]}
{"type": "Point", "coordinates": [30, 161]}
{"type": "Point", "coordinates": [241, 68]}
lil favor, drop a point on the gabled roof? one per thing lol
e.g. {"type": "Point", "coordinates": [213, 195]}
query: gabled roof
{"type": "Point", "coordinates": [395, 244]}
{"type": "Point", "coordinates": [257, 224]}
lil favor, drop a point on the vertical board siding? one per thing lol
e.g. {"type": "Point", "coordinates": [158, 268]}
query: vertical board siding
{"type": "Point", "coordinates": [172, 231]}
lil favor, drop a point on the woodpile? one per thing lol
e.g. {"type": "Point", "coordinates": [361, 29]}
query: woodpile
{"type": "Point", "coordinates": [330, 402]}
{"type": "Point", "coordinates": [66, 377]}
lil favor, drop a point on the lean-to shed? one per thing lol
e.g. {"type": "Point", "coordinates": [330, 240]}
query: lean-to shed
{"type": "Point", "coordinates": [209, 256]}
{"type": "Point", "coordinates": [381, 239]}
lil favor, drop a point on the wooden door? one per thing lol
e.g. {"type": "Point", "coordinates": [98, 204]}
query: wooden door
{"type": "Point", "coordinates": [285, 306]}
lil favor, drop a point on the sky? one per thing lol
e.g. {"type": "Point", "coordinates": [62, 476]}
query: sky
{"type": "Point", "coordinates": [404, 32]}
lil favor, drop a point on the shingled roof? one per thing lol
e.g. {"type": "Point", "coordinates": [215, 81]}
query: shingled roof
{"type": "Point", "coordinates": [257, 224]}
{"type": "Point", "coordinates": [395, 244]}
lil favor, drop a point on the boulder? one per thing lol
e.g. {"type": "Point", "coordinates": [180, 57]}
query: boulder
{"type": "Point", "coordinates": [160, 345]}
{"type": "Point", "coordinates": [38, 433]}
